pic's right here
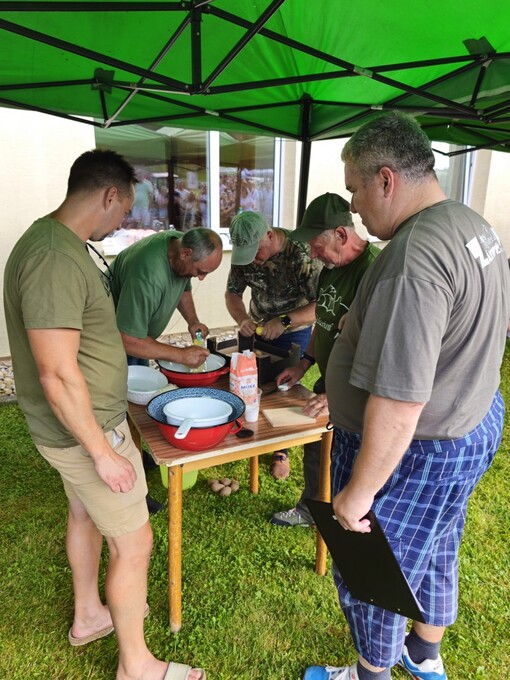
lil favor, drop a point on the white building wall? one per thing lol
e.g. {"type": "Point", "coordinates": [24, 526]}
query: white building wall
{"type": "Point", "coordinates": [37, 152]}
{"type": "Point", "coordinates": [497, 197]}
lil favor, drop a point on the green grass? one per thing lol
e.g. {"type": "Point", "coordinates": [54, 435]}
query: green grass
{"type": "Point", "coordinates": [253, 608]}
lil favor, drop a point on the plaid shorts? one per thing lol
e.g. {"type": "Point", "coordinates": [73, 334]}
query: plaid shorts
{"type": "Point", "coordinates": [422, 510]}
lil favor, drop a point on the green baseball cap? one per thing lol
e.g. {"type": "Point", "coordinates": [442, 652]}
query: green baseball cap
{"type": "Point", "coordinates": [246, 230]}
{"type": "Point", "coordinates": [324, 212]}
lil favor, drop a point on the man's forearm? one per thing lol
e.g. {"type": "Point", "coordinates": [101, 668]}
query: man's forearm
{"type": "Point", "coordinates": [303, 315]}
{"type": "Point", "coordinates": [69, 399]}
{"type": "Point", "coordinates": [55, 353]}
{"type": "Point", "coordinates": [389, 427]}
{"type": "Point", "coordinates": [186, 307]}
{"type": "Point", "coordinates": [148, 348]}
{"type": "Point", "coordinates": [236, 308]}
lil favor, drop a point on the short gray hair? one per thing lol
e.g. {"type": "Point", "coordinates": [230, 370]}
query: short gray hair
{"type": "Point", "coordinates": [202, 242]}
{"type": "Point", "coordinates": [394, 140]}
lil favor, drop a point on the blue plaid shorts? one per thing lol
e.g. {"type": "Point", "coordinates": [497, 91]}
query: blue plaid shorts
{"type": "Point", "coordinates": [422, 510]}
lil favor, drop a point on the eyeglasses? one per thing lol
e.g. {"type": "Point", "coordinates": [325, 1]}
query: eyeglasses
{"type": "Point", "coordinates": [106, 275]}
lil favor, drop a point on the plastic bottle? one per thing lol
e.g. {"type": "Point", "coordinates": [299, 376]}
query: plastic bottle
{"type": "Point", "coordinates": [200, 342]}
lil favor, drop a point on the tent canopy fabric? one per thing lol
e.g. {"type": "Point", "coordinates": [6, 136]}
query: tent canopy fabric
{"type": "Point", "coordinates": [288, 68]}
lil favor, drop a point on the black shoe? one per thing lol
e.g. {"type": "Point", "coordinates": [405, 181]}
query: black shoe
{"type": "Point", "coordinates": [153, 505]}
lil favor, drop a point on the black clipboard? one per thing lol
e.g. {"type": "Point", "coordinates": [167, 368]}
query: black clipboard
{"type": "Point", "coordinates": [366, 563]}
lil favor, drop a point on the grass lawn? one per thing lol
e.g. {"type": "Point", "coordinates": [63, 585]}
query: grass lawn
{"type": "Point", "coordinates": [253, 608]}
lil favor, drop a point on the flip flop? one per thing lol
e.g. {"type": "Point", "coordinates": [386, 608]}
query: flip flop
{"type": "Point", "coordinates": [104, 632]}
{"type": "Point", "coordinates": [180, 671]}
{"type": "Point", "coordinates": [79, 641]}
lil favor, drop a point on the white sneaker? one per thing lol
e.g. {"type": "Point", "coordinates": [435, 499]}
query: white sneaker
{"type": "Point", "coordinates": [430, 669]}
{"type": "Point", "coordinates": [331, 673]}
{"type": "Point", "coordinates": [289, 518]}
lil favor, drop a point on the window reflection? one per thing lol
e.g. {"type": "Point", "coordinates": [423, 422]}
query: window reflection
{"type": "Point", "coordinates": [246, 176]}
{"type": "Point", "coordinates": [173, 167]}
{"type": "Point", "coordinates": [173, 179]}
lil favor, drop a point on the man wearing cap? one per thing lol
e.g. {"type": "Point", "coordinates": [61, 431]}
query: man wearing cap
{"type": "Point", "coordinates": [283, 281]}
{"type": "Point", "coordinates": [327, 227]}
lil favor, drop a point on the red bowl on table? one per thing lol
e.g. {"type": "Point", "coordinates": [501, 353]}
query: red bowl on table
{"type": "Point", "coordinates": [198, 438]}
{"type": "Point", "coordinates": [181, 375]}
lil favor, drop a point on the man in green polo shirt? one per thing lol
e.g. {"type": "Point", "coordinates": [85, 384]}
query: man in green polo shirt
{"type": "Point", "coordinates": [150, 280]}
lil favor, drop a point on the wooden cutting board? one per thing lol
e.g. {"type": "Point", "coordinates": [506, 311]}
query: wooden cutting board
{"type": "Point", "coordinates": [290, 415]}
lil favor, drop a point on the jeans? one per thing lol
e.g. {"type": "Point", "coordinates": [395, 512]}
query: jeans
{"type": "Point", "coordinates": [135, 361]}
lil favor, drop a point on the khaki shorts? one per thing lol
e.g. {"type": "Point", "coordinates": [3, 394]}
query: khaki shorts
{"type": "Point", "coordinates": [114, 514]}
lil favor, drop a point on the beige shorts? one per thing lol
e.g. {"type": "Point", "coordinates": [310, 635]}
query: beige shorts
{"type": "Point", "coordinates": [114, 514]}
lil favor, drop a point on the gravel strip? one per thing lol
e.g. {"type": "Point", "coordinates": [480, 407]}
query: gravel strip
{"type": "Point", "coordinates": [7, 389]}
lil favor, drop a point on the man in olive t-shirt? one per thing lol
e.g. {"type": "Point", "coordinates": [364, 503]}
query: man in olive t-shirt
{"type": "Point", "coordinates": [42, 260]}
{"type": "Point", "coordinates": [70, 371]}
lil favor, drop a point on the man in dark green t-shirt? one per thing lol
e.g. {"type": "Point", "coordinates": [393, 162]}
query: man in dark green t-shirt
{"type": "Point", "coordinates": [327, 227]}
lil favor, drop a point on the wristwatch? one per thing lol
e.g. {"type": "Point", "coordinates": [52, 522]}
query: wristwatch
{"type": "Point", "coordinates": [286, 320]}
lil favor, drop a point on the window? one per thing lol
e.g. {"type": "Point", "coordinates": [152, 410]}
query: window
{"type": "Point", "coordinates": [246, 176]}
{"type": "Point", "coordinates": [451, 170]}
{"type": "Point", "coordinates": [190, 179]}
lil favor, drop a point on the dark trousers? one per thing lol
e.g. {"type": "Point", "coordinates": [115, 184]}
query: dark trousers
{"type": "Point", "coordinates": [311, 466]}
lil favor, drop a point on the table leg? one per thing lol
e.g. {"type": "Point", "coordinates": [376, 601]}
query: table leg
{"type": "Point", "coordinates": [324, 495]}
{"type": "Point", "coordinates": [254, 474]}
{"type": "Point", "coordinates": [175, 547]}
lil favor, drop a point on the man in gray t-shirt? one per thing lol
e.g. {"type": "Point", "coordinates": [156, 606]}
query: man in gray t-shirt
{"type": "Point", "coordinates": [412, 387]}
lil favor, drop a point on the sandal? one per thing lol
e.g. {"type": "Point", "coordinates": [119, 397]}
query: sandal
{"type": "Point", "coordinates": [104, 632]}
{"type": "Point", "coordinates": [280, 467]}
{"type": "Point", "coordinates": [181, 671]}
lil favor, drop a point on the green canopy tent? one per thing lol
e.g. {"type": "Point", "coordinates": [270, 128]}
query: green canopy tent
{"type": "Point", "coordinates": [289, 68]}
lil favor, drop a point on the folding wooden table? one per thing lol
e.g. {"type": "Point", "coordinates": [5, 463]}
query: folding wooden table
{"type": "Point", "coordinates": [265, 439]}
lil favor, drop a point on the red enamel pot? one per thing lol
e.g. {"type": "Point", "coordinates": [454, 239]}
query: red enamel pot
{"type": "Point", "coordinates": [180, 375]}
{"type": "Point", "coordinates": [198, 438]}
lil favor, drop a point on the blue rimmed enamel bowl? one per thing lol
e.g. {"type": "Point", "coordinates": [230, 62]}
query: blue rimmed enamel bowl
{"type": "Point", "coordinates": [198, 438]}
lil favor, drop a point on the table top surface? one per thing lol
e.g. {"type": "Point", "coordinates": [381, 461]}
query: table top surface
{"type": "Point", "coordinates": [263, 432]}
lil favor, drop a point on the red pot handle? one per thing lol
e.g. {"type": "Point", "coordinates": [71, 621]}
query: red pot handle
{"type": "Point", "coordinates": [237, 424]}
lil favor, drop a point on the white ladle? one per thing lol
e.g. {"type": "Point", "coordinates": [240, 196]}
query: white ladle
{"type": "Point", "coordinates": [184, 428]}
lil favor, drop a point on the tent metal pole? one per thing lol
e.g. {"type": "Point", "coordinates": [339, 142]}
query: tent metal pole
{"type": "Point", "coordinates": [304, 171]}
{"type": "Point", "coordinates": [306, 151]}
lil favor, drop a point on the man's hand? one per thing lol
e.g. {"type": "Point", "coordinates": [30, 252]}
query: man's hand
{"type": "Point", "coordinates": [194, 327]}
{"type": "Point", "coordinates": [289, 376]}
{"type": "Point", "coordinates": [116, 472]}
{"type": "Point", "coordinates": [316, 406]}
{"type": "Point", "coordinates": [272, 329]}
{"type": "Point", "coordinates": [193, 356]}
{"type": "Point", "coordinates": [341, 322]}
{"type": "Point", "coordinates": [350, 506]}
{"type": "Point", "coordinates": [247, 327]}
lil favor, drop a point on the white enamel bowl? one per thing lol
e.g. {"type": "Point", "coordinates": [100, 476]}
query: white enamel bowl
{"type": "Point", "coordinates": [196, 412]}
{"type": "Point", "coordinates": [144, 383]}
